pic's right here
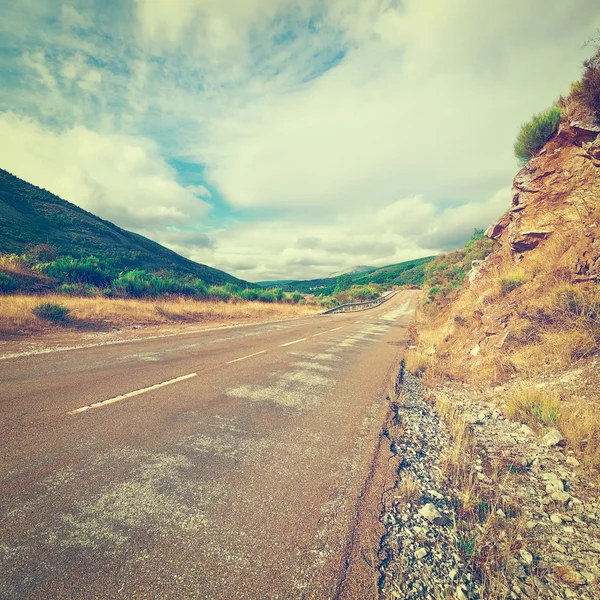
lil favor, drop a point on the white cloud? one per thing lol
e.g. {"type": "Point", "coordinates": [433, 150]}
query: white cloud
{"type": "Point", "coordinates": [375, 130]}
{"type": "Point", "coordinates": [431, 106]}
{"type": "Point", "coordinates": [405, 229]}
{"type": "Point", "coordinates": [117, 177]}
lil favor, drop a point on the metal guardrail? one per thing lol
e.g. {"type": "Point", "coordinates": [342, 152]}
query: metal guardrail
{"type": "Point", "coordinates": [355, 306]}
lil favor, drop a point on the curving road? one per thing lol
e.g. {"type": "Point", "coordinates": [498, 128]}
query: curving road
{"type": "Point", "coordinates": [224, 464]}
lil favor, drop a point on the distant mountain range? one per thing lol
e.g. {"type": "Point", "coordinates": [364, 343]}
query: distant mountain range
{"type": "Point", "coordinates": [352, 271]}
{"type": "Point", "coordinates": [30, 215]}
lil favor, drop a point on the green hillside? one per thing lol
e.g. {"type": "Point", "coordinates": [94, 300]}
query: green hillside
{"type": "Point", "coordinates": [411, 272]}
{"type": "Point", "coordinates": [30, 216]}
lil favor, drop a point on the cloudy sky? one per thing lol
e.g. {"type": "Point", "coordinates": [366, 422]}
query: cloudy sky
{"type": "Point", "coordinates": [283, 138]}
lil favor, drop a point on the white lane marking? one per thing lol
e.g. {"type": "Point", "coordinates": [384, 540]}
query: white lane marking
{"type": "Point", "coordinates": [130, 394]}
{"type": "Point", "coordinates": [336, 328]}
{"type": "Point", "coordinates": [245, 357]}
{"type": "Point", "coordinates": [290, 343]}
{"type": "Point", "coordinates": [318, 334]}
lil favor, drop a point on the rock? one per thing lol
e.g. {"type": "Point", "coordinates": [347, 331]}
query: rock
{"type": "Point", "coordinates": [435, 494]}
{"type": "Point", "coordinates": [552, 438]}
{"type": "Point", "coordinates": [431, 350]}
{"type": "Point", "coordinates": [595, 547]}
{"type": "Point", "coordinates": [558, 496]}
{"type": "Point", "coordinates": [526, 429]}
{"type": "Point", "coordinates": [526, 557]}
{"type": "Point", "coordinates": [461, 593]}
{"type": "Point", "coordinates": [571, 460]}
{"type": "Point", "coordinates": [475, 350]}
{"type": "Point", "coordinates": [476, 266]}
{"type": "Point", "coordinates": [430, 512]}
{"type": "Point", "coordinates": [420, 553]}
{"type": "Point", "coordinates": [556, 518]}
{"type": "Point", "coordinates": [514, 567]}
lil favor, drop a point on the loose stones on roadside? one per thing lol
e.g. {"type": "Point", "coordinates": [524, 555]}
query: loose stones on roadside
{"type": "Point", "coordinates": [552, 438]}
{"type": "Point", "coordinates": [430, 512]}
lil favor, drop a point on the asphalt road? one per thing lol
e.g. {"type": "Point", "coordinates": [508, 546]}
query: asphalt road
{"type": "Point", "coordinates": [225, 464]}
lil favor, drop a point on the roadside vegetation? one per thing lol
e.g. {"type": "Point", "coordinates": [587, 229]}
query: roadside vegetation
{"type": "Point", "coordinates": [521, 323]}
{"type": "Point", "coordinates": [444, 276]}
{"type": "Point", "coordinates": [41, 289]}
{"type": "Point", "coordinates": [27, 314]}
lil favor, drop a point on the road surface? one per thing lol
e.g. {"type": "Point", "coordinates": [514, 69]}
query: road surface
{"type": "Point", "coordinates": [224, 464]}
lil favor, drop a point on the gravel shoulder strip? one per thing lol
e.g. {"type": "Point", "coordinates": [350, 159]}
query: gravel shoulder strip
{"type": "Point", "coordinates": [546, 512]}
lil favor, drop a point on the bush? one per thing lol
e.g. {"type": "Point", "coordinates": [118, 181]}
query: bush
{"type": "Point", "coordinates": [7, 284]}
{"type": "Point", "coordinates": [79, 289]}
{"type": "Point", "coordinates": [587, 91]}
{"type": "Point", "coordinates": [79, 270]}
{"type": "Point", "coordinates": [534, 135]}
{"type": "Point", "coordinates": [249, 295]}
{"type": "Point", "coordinates": [297, 298]}
{"type": "Point", "coordinates": [218, 293]}
{"type": "Point", "coordinates": [51, 312]}
{"type": "Point", "coordinates": [41, 253]}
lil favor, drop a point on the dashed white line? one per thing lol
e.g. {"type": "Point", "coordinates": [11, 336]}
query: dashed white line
{"type": "Point", "coordinates": [130, 394]}
{"type": "Point", "coordinates": [290, 343]}
{"type": "Point", "coordinates": [336, 328]}
{"type": "Point", "coordinates": [245, 357]}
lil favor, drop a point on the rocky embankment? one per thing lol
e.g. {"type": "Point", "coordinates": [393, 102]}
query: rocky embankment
{"type": "Point", "coordinates": [523, 521]}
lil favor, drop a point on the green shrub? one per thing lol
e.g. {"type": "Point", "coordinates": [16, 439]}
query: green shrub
{"type": "Point", "coordinates": [587, 90]}
{"type": "Point", "coordinates": [534, 135]}
{"type": "Point", "coordinates": [79, 289]}
{"type": "Point", "coordinates": [218, 293]}
{"type": "Point", "coordinates": [249, 295]}
{"type": "Point", "coordinates": [7, 284]}
{"type": "Point", "coordinates": [266, 296]}
{"type": "Point", "coordinates": [297, 298]}
{"type": "Point", "coordinates": [51, 312]}
{"type": "Point", "coordinates": [79, 270]}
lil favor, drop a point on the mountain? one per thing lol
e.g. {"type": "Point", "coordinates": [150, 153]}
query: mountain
{"type": "Point", "coordinates": [30, 215]}
{"type": "Point", "coordinates": [410, 272]}
{"type": "Point", "coordinates": [352, 271]}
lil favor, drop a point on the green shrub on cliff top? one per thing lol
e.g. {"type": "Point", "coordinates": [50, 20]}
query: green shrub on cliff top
{"type": "Point", "coordinates": [536, 133]}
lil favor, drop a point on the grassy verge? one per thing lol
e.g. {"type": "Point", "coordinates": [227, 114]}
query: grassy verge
{"type": "Point", "coordinates": [17, 312]}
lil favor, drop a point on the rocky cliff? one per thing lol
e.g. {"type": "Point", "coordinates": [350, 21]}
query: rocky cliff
{"type": "Point", "coordinates": [558, 192]}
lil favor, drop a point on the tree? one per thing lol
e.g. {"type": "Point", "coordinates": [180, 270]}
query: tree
{"type": "Point", "coordinates": [343, 283]}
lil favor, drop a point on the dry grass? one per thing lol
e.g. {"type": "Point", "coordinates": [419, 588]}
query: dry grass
{"type": "Point", "coordinates": [580, 425]}
{"type": "Point", "coordinates": [16, 316]}
{"type": "Point", "coordinates": [457, 461]}
{"type": "Point", "coordinates": [578, 422]}
{"type": "Point", "coordinates": [532, 406]}
{"type": "Point", "coordinates": [416, 361]}
{"type": "Point", "coordinates": [408, 488]}
{"type": "Point", "coordinates": [11, 263]}
{"type": "Point", "coordinates": [486, 541]}
{"type": "Point", "coordinates": [511, 281]}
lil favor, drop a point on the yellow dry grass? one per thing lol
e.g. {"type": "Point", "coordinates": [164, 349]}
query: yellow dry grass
{"type": "Point", "coordinates": [486, 542]}
{"type": "Point", "coordinates": [408, 488]}
{"type": "Point", "coordinates": [532, 406]}
{"type": "Point", "coordinates": [580, 425]}
{"type": "Point", "coordinates": [16, 312]}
